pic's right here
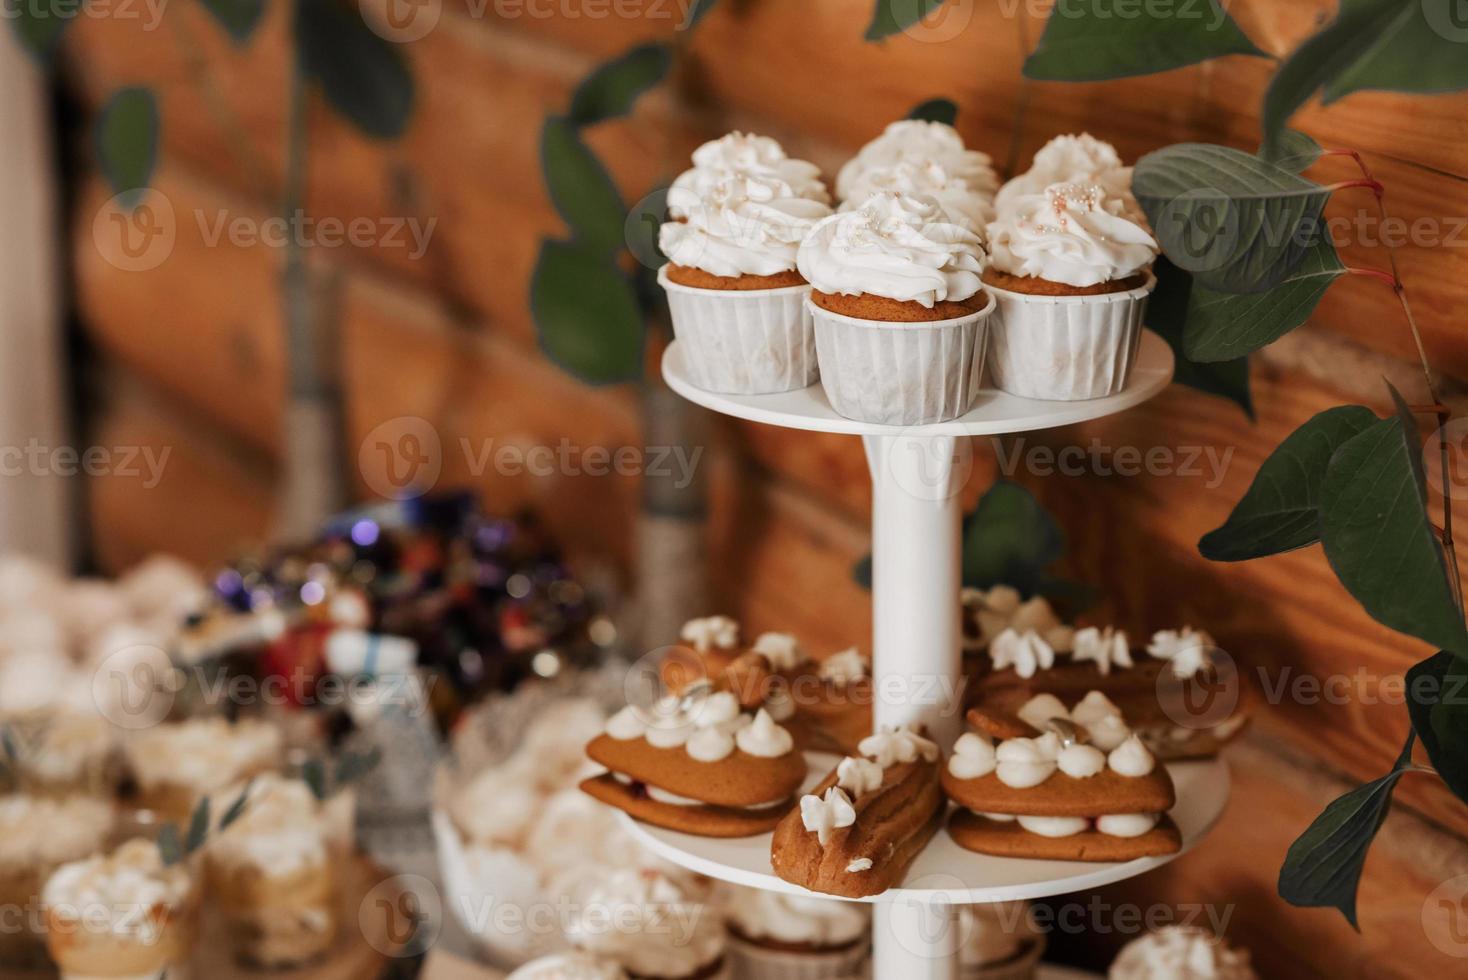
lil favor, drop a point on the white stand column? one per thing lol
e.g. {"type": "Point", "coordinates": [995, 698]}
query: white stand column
{"type": "Point", "coordinates": [916, 656]}
{"type": "Point", "coordinates": [916, 653]}
{"type": "Point", "coordinates": [913, 939]}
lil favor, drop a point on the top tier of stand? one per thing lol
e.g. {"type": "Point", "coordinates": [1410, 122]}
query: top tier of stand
{"type": "Point", "coordinates": [996, 413]}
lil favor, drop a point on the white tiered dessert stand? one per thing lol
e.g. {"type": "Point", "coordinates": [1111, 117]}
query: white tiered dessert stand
{"type": "Point", "coordinates": [916, 660]}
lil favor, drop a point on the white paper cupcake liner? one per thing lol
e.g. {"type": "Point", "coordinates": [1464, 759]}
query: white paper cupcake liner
{"type": "Point", "coordinates": [752, 961]}
{"type": "Point", "coordinates": [901, 373]}
{"type": "Point", "coordinates": [1066, 348]}
{"type": "Point", "coordinates": [743, 341]}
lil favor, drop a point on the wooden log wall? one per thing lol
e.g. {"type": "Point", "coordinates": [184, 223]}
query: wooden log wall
{"type": "Point", "coordinates": [193, 349]}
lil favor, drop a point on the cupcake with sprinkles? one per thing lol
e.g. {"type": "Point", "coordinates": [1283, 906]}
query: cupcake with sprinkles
{"type": "Point", "coordinates": [1070, 274]}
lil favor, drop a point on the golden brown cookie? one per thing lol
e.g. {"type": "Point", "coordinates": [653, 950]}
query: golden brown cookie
{"type": "Point", "coordinates": [1009, 839]}
{"type": "Point", "coordinates": [704, 821]}
{"type": "Point", "coordinates": [880, 308]}
{"type": "Point", "coordinates": [1065, 796]}
{"type": "Point", "coordinates": [738, 780]}
{"type": "Point", "coordinates": [892, 826]}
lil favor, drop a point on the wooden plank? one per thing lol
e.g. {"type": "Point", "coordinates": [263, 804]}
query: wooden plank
{"type": "Point", "coordinates": [465, 170]}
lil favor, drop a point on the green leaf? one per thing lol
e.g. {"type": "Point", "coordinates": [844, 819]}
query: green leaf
{"type": "Point", "coordinates": [1421, 51]}
{"type": "Point", "coordinates": [895, 16]}
{"type": "Point", "coordinates": [314, 774]}
{"type": "Point", "coordinates": [198, 827]}
{"type": "Point", "coordinates": [1095, 41]}
{"type": "Point", "coordinates": [862, 572]}
{"type": "Point", "coordinates": [697, 12]}
{"type": "Point", "coordinates": [1297, 152]}
{"type": "Point", "coordinates": [1323, 868]}
{"type": "Point", "coordinates": [7, 744]}
{"type": "Point", "coordinates": [362, 75]}
{"type": "Point", "coordinates": [127, 141]}
{"type": "Point", "coordinates": [1167, 313]}
{"type": "Point", "coordinates": [1377, 536]}
{"type": "Point", "coordinates": [586, 314]}
{"type": "Point", "coordinates": [169, 845]}
{"type": "Point", "coordinates": [1009, 539]}
{"type": "Point", "coordinates": [1437, 699]}
{"type": "Point", "coordinates": [1280, 511]}
{"type": "Point", "coordinates": [1238, 223]}
{"type": "Point", "coordinates": [580, 187]}
{"type": "Point", "coordinates": [237, 808]}
{"type": "Point", "coordinates": [935, 110]}
{"type": "Point", "coordinates": [610, 90]}
{"type": "Point", "coordinates": [37, 26]}
{"type": "Point", "coordinates": [1324, 57]}
{"type": "Point", "coordinates": [239, 18]}
{"type": "Point", "coordinates": [1223, 326]}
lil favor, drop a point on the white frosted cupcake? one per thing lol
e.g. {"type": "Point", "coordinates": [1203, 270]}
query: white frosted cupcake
{"type": "Point", "coordinates": [957, 202]}
{"type": "Point", "coordinates": [1071, 278]}
{"type": "Point", "coordinates": [1181, 953]}
{"type": "Point", "coordinates": [654, 926]}
{"type": "Point", "coordinates": [175, 765]}
{"type": "Point", "coordinates": [999, 942]}
{"type": "Point", "coordinates": [124, 915]}
{"type": "Point", "coordinates": [736, 298]}
{"type": "Point", "coordinates": [917, 141]}
{"type": "Point", "coordinates": [38, 835]}
{"type": "Point", "coordinates": [774, 936]}
{"type": "Point", "coordinates": [1071, 159]}
{"type": "Point", "coordinates": [66, 752]}
{"type": "Point", "coordinates": [272, 876]}
{"type": "Point", "coordinates": [900, 313]}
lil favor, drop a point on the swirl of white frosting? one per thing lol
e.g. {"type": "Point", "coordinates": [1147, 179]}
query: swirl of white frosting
{"type": "Point", "coordinates": [1068, 235]}
{"type": "Point", "coordinates": [710, 633]}
{"type": "Point", "coordinates": [1026, 762]}
{"type": "Point", "coordinates": [822, 817]}
{"type": "Point", "coordinates": [764, 738]}
{"type": "Point", "coordinates": [568, 966]}
{"type": "Point", "coordinates": [1081, 761]}
{"type": "Point", "coordinates": [1187, 649]}
{"type": "Point", "coordinates": [858, 776]}
{"type": "Point", "coordinates": [718, 709]}
{"type": "Point", "coordinates": [743, 226]}
{"type": "Point", "coordinates": [1102, 720]}
{"type": "Point", "coordinates": [746, 153]}
{"type": "Point", "coordinates": [1131, 758]}
{"type": "Point", "coordinates": [816, 922]}
{"type": "Point", "coordinates": [973, 757]}
{"type": "Point", "coordinates": [710, 745]}
{"type": "Point", "coordinates": [1026, 652]}
{"type": "Point", "coordinates": [894, 745]}
{"type": "Point", "coordinates": [1176, 952]}
{"type": "Point", "coordinates": [957, 202]}
{"type": "Point", "coordinates": [1127, 824]}
{"type": "Point", "coordinates": [1079, 159]}
{"type": "Point", "coordinates": [893, 246]}
{"type": "Point", "coordinates": [626, 724]}
{"type": "Point", "coordinates": [1106, 648]}
{"type": "Point", "coordinates": [844, 667]}
{"type": "Point", "coordinates": [659, 929]}
{"type": "Point", "coordinates": [1055, 826]}
{"type": "Point", "coordinates": [1040, 709]}
{"type": "Point", "coordinates": [917, 140]}
{"type": "Point", "coordinates": [782, 650]}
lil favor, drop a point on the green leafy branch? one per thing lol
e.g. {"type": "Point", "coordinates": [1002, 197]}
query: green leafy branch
{"type": "Point", "coordinates": [589, 313]}
{"type": "Point", "coordinates": [326, 781]}
{"type": "Point", "coordinates": [1248, 261]}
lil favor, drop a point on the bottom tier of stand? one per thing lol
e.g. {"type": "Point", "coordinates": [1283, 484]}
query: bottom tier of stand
{"type": "Point", "coordinates": [945, 872]}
